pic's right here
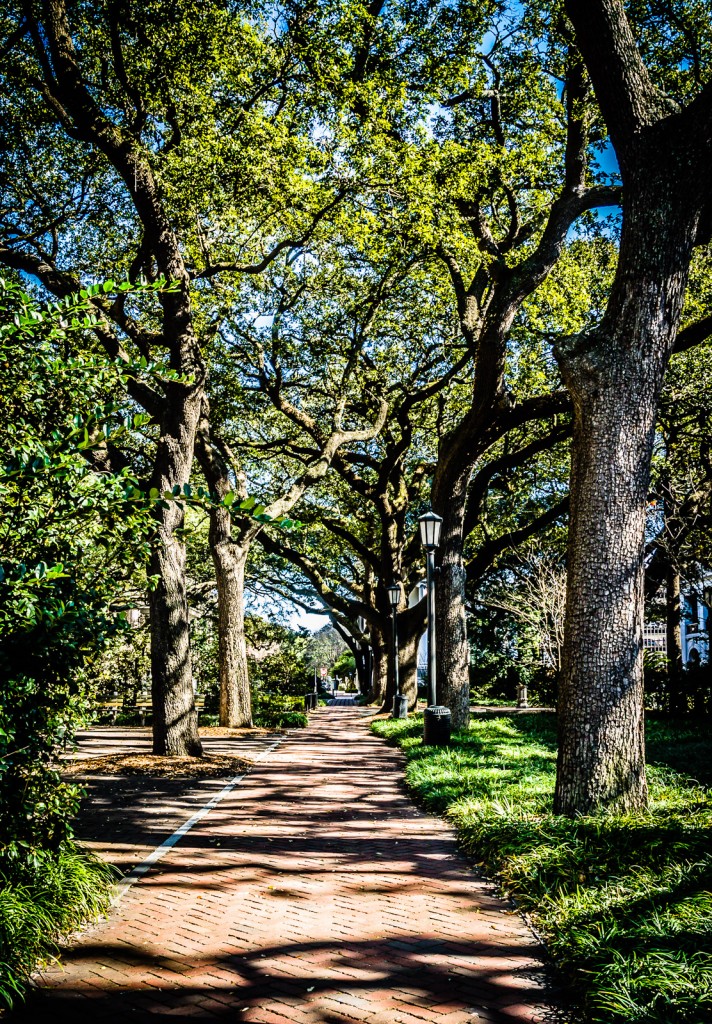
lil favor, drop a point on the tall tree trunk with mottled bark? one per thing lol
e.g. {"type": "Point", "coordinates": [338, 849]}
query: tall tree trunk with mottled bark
{"type": "Point", "coordinates": [453, 652]}
{"type": "Point", "coordinates": [409, 667]}
{"type": "Point", "coordinates": [380, 655]}
{"type": "Point", "coordinates": [175, 719]}
{"type": "Point", "coordinates": [229, 559]}
{"type": "Point", "coordinates": [615, 375]}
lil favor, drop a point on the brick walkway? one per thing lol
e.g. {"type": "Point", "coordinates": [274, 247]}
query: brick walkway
{"type": "Point", "coordinates": [315, 893]}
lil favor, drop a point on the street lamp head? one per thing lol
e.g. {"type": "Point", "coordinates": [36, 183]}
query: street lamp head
{"type": "Point", "coordinates": [430, 525]}
{"type": "Point", "coordinates": [394, 594]}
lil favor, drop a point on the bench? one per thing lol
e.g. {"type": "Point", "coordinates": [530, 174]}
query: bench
{"type": "Point", "coordinates": [142, 707]}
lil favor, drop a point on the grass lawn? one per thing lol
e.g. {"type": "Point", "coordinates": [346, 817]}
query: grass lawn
{"type": "Point", "coordinates": [624, 903]}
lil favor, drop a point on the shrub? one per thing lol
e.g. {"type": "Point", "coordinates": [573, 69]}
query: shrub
{"type": "Point", "coordinates": [42, 902]}
{"type": "Point", "coordinates": [278, 711]}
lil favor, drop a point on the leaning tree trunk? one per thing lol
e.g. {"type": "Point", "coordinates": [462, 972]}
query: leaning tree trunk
{"type": "Point", "coordinates": [615, 376]}
{"type": "Point", "coordinates": [453, 652]}
{"type": "Point", "coordinates": [175, 718]}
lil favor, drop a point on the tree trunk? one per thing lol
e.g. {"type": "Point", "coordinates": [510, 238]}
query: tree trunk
{"type": "Point", "coordinates": [229, 560]}
{"type": "Point", "coordinates": [175, 719]}
{"type": "Point", "coordinates": [411, 625]}
{"type": "Point", "coordinates": [363, 675]}
{"type": "Point", "coordinates": [602, 749]}
{"type": "Point", "coordinates": [453, 651]}
{"type": "Point", "coordinates": [615, 375]}
{"type": "Point", "coordinates": [409, 668]}
{"type": "Point", "coordinates": [380, 655]}
{"type": "Point", "coordinates": [674, 641]}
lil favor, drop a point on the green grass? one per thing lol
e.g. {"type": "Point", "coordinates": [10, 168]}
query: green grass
{"type": "Point", "coordinates": [624, 903]}
{"type": "Point", "coordinates": [57, 896]}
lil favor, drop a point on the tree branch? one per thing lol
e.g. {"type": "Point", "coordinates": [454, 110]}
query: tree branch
{"type": "Point", "coordinates": [493, 547]}
{"type": "Point", "coordinates": [628, 98]}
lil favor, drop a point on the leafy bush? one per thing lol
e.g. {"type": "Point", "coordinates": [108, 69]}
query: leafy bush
{"type": "Point", "coordinates": [41, 904]}
{"type": "Point", "coordinates": [278, 711]}
{"type": "Point", "coordinates": [70, 533]}
{"type": "Point", "coordinates": [623, 902]}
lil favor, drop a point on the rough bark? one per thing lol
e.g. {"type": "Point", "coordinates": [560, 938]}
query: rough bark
{"type": "Point", "coordinates": [601, 750]}
{"type": "Point", "coordinates": [615, 376]}
{"type": "Point", "coordinates": [363, 667]}
{"type": "Point", "coordinates": [409, 668]}
{"type": "Point", "coordinates": [229, 560]}
{"type": "Point", "coordinates": [411, 623]}
{"type": "Point", "coordinates": [380, 654]}
{"type": "Point", "coordinates": [453, 665]}
{"type": "Point", "coordinates": [175, 719]}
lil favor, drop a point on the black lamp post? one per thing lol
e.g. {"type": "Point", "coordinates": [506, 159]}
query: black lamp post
{"type": "Point", "coordinates": [436, 720]}
{"type": "Point", "coordinates": [365, 652]}
{"type": "Point", "coordinates": [430, 525]}
{"type": "Point", "coordinates": [400, 703]}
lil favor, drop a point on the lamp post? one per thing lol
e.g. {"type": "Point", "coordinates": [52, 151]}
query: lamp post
{"type": "Point", "coordinates": [436, 720]}
{"type": "Point", "coordinates": [365, 651]}
{"type": "Point", "coordinates": [400, 703]}
{"type": "Point", "coordinates": [430, 525]}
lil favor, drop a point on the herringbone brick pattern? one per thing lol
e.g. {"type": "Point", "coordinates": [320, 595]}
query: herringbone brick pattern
{"type": "Point", "coordinates": [316, 894]}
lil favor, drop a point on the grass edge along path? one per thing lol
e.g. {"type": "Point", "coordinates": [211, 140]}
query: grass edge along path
{"type": "Point", "coordinates": [624, 903]}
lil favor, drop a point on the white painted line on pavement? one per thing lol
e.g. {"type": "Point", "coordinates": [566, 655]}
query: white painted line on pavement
{"type": "Point", "coordinates": [140, 870]}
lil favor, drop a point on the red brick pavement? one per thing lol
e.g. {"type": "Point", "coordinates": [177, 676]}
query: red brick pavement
{"type": "Point", "coordinates": [315, 893]}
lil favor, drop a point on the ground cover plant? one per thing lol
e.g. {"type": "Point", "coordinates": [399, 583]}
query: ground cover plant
{"type": "Point", "coordinates": [40, 907]}
{"type": "Point", "coordinates": [623, 901]}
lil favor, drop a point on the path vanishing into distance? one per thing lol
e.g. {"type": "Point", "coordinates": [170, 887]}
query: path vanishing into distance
{"type": "Point", "coordinates": [313, 891]}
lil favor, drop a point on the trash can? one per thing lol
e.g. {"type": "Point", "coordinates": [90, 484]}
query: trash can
{"type": "Point", "coordinates": [400, 706]}
{"type": "Point", "coordinates": [437, 725]}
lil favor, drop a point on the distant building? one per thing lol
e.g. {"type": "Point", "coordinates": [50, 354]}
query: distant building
{"type": "Point", "coordinates": [695, 623]}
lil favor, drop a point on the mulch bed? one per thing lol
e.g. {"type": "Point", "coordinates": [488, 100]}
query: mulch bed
{"type": "Point", "coordinates": [244, 734]}
{"type": "Point", "coordinates": [210, 766]}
